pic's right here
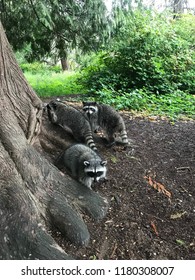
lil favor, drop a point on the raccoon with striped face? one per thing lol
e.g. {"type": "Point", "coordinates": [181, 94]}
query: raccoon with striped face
{"type": "Point", "coordinates": [69, 117]}
{"type": "Point", "coordinates": [84, 164]}
{"type": "Point", "coordinates": [107, 118]}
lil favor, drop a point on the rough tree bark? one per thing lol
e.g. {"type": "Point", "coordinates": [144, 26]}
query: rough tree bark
{"type": "Point", "coordinates": [34, 194]}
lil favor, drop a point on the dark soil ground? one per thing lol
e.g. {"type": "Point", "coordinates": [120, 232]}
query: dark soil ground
{"type": "Point", "coordinates": [151, 194]}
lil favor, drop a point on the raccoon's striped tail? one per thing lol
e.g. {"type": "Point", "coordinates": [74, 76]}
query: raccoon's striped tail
{"type": "Point", "coordinates": [124, 137]}
{"type": "Point", "coordinates": [90, 142]}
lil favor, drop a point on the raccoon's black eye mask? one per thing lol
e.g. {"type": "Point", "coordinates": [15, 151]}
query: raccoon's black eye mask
{"type": "Point", "coordinates": [95, 174]}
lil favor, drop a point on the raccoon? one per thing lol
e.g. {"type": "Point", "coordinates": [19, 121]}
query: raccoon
{"type": "Point", "coordinates": [84, 164]}
{"type": "Point", "coordinates": [68, 116]}
{"type": "Point", "coordinates": [106, 117]}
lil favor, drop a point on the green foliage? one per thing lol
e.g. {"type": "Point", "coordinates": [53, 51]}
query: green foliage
{"type": "Point", "coordinates": [185, 27]}
{"type": "Point", "coordinates": [173, 105]}
{"type": "Point", "coordinates": [54, 27]}
{"type": "Point", "coordinates": [22, 54]}
{"type": "Point", "coordinates": [48, 83]}
{"type": "Point", "coordinates": [54, 84]}
{"type": "Point", "coordinates": [151, 52]}
{"type": "Point", "coordinates": [37, 67]}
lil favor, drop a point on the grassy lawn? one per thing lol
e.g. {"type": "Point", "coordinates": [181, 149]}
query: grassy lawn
{"type": "Point", "coordinates": [54, 84]}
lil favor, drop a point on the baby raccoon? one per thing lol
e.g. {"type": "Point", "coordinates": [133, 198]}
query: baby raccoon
{"type": "Point", "coordinates": [84, 164]}
{"type": "Point", "coordinates": [106, 117]}
{"type": "Point", "coordinates": [68, 116]}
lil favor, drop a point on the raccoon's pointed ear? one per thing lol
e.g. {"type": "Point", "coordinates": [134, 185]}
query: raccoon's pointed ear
{"type": "Point", "coordinates": [51, 105]}
{"type": "Point", "coordinates": [104, 162]}
{"type": "Point", "coordinates": [86, 163]}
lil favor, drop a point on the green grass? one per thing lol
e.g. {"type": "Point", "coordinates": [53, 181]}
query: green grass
{"type": "Point", "coordinates": [54, 84]}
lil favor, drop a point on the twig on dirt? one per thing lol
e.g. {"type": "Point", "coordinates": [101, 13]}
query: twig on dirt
{"type": "Point", "coordinates": [113, 251]}
{"type": "Point", "coordinates": [183, 168]}
{"type": "Point", "coordinates": [154, 227]}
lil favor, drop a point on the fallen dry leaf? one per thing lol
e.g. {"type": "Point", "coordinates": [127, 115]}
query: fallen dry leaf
{"type": "Point", "coordinates": [157, 186]}
{"type": "Point", "coordinates": [154, 227]}
{"type": "Point", "coordinates": [177, 215]}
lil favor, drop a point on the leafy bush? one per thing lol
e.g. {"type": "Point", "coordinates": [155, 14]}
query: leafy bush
{"type": "Point", "coordinates": [151, 52]}
{"type": "Point", "coordinates": [173, 105]}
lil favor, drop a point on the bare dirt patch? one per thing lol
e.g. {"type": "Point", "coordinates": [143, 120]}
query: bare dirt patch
{"type": "Point", "coordinates": [151, 193]}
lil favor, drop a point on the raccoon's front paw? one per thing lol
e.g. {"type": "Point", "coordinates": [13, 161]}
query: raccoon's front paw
{"type": "Point", "coordinates": [103, 180]}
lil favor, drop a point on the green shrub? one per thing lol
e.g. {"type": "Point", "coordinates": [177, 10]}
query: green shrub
{"type": "Point", "coordinates": [173, 105]}
{"type": "Point", "coordinates": [150, 52]}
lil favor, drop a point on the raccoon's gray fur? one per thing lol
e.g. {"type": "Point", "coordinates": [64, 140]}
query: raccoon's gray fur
{"type": "Point", "coordinates": [68, 116]}
{"type": "Point", "coordinates": [106, 117]}
{"type": "Point", "coordinates": [84, 164]}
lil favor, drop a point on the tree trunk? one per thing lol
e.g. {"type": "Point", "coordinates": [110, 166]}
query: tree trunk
{"type": "Point", "coordinates": [178, 7]}
{"type": "Point", "coordinates": [64, 64]}
{"type": "Point", "coordinates": [34, 195]}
